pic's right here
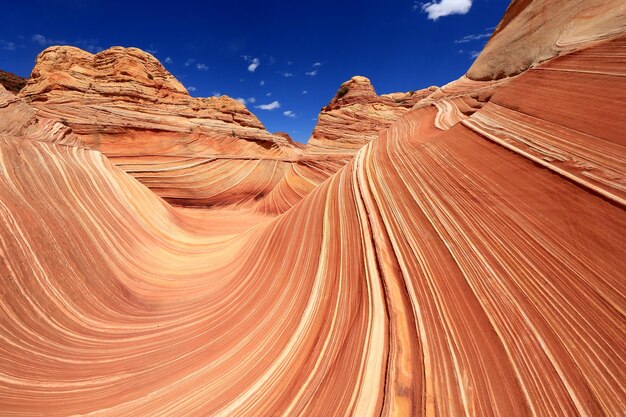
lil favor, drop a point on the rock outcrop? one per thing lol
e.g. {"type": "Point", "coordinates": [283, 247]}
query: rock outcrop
{"type": "Point", "coordinates": [11, 82]}
{"type": "Point", "coordinates": [356, 114]}
{"type": "Point", "coordinates": [468, 261]}
{"type": "Point", "coordinates": [123, 103]}
{"type": "Point", "coordinates": [534, 31]}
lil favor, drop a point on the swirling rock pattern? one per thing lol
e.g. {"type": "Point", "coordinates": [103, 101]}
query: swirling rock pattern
{"type": "Point", "coordinates": [203, 152]}
{"type": "Point", "coordinates": [469, 261]}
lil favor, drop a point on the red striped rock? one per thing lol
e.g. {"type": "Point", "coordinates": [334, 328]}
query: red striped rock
{"type": "Point", "coordinates": [467, 261]}
{"type": "Point", "coordinates": [533, 31]}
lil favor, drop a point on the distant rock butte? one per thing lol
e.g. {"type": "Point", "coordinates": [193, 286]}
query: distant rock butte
{"type": "Point", "coordinates": [125, 91]}
{"type": "Point", "coordinates": [356, 114]}
{"type": "Point", "coordinates": [11, 82]}
{"type": "Point", "coordinates": [466, 259]}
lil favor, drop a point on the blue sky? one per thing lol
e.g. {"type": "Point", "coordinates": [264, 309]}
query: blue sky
{"type": "Point", "coordinates": [285, 58]}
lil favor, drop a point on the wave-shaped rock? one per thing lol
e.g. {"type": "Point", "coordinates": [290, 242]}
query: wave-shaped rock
{"type": "Point", "coordinates": [468, 261]}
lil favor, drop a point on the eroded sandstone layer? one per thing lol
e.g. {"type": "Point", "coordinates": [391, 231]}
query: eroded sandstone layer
{"type": "Point", "coordinates": [467, 261]}
{"type": "Point", "coordinates": [356, 114]}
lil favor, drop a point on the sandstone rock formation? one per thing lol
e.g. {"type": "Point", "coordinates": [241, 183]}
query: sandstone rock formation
{"type": "Point", "coordinates": [11, 82]}
{"type": "Point", "coordinates": [468, 261]}
{"type": "Point", "coordinates": [533, 31]}
{"type": "Point", "coordinates": [124, 103]}
{"type": "Point", "coordinates": [203, 152]}
{"type": "Point", "coordinates": [356, 114]}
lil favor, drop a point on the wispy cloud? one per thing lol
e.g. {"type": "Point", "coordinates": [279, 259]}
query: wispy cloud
{"type": "Point", "coordinates": [270, 106]}
{"type": "Point", "coordinates": [245, 101]}
{"type": "Point", "coordinates": [289, 62]}
{"type": "Point", "coordinates": [89, 45]}
{"type": "Point", "coordinates": [168, 60]}
{"type": "Point", "coordinates": [253, 63]}
{"type": "Point", "coordinates": [262, 83]}
{"type": "Point", "coordinates": [471, 54]}
{"type": "Point", "coordinates": [441, 8]}
{"type": "Point", "coordinates": [289, 113]}
{"type": "Point", "coordinates": [189, 62]}
{"type": "Point", "coordinates": [305, 92]}
{"type": "Point", "coordinates": [7, 46]}
{"type": "Point", "coordinates": [43, 41]}
{"type": "Point", "coordinates": [311, 73]}
{"type": "Point", "coordinates": [216, 94]}
{"type": "Point", "coordinates": [202, 67]}
{"type": "Point", "coordinates": [152, 50]}
{"type": "Point", "coordinates": [285, 74]}
{"type": "Point", "coordinates": [191, 88]}
{"type": "Point", "coordinates": [268, 94]}
{"type": "Point", "coordinates": [317, 64]}
{"type": "Point", "coordinates": [473, 37]}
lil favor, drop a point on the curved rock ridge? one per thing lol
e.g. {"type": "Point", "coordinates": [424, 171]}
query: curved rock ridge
{"type": "Point", "coordinates": [469, 261]}
{"type": "Point", "coordinates": [356, 114]}
{"type": "Point", "coordinates": [198, 152]}
{"type": "Point", "coordinates": [124, 103]}
{"type": "Point", "coordinates": [533, 31]}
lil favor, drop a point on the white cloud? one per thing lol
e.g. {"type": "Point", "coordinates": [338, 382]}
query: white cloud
{"type": "Point", "coordinates": [269, 94]}
{"type": "Point", "coordinates": [189, 62]}
{"type": "Point", "coordinates": [40, 39]}
{"type": "Point", "coordinates": [253, 63]}
{"type": "Point", "coordinates": [168, 60]}
{"type": "Point", "coordinates": [441, 8]}
{"type": "Point", "coordinates": [289, 113]}
{"type": "Point", "coordinates": [216, 94]}
{"type": "Point", "coordinates": [262, 83]}
{"type": "Point", "coordinates": [191, 88]}
{"type": "Point", "coordinates": [202, 67]}
{"type": "Point", "coordinates": [152, 50]}
{"type": "Point", "coordinates": [474, 54]}
{"type": "Point", "coordinates": [305, 92]}
{"type": "Point", "coordinates": [286, 74]}
{"type": "Point", "coordinates": [43, 41]}
{"type": "Point", "coordinates": [252, 100]}
{"type": "Point", "coordinates": [317, 64]}
{"type": "Point", "coordinates": [470, 38]}
{"type": "Point", "coordinates": [270, 106]}
{"type": "Point", "coordinates": [7, 46]}
{"type": "Point", "coordinates": [241, 100]}
{"type": "Point", "coordinates": [311, 73]}
{"type": "Point", "coordinates": [289, 62]}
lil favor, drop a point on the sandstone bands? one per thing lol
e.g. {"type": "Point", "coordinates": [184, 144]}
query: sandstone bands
{"type": "Point", "coordinates": [468, 261]}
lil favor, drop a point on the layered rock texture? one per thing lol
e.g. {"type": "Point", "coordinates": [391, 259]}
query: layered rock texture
{"type": "Point", "coordinates": [468, 260]}
{"type": "Point", "coordinates": [356, 114]}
